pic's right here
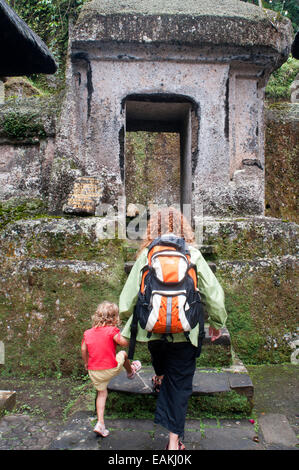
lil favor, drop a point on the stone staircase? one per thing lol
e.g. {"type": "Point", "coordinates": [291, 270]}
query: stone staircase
{"type": "Point", "coordinates": [208, 381]}
{"type": "Point", "coordinates": [51, 244]}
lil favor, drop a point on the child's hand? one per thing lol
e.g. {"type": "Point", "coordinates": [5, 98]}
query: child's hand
{"type": "Point", "coordinates": [215, 334]}
{"type": "Point", "coordinates": [86, 365]}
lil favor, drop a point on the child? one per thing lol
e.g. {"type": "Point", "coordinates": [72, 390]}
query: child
{"type": "Point", "coordinates": [100, 359]}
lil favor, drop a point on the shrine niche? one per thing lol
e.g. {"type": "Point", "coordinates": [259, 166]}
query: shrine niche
{"type": "Point", "coordinates": [196, 70]}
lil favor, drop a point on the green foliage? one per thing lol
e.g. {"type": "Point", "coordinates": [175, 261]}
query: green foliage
{"type": "Point", "coordinates": [127, 405]}
{"type": "Point", "coordinates": [19, 126]}
{"type": "Point", "coordinates": [278, 87]}
{"type": "Point", "coordinates": [17, 209]}
{"type": "Point", "coordinates": [288, 8]}
{"type": "Point", "coordinates": [220, 405]}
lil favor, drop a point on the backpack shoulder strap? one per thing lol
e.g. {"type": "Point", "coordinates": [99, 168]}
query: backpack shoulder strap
{"type": "Point", "coordinates": [134, 327]}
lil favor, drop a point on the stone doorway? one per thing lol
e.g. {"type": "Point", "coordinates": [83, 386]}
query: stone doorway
{"type": "Point", "coordinates": [157, 150]}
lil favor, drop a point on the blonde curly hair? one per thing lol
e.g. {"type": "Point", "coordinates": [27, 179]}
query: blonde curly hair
{"type": "Point", "coordinates": [167, 220]}
{"type": "Point", "coordinates": [106, 315]}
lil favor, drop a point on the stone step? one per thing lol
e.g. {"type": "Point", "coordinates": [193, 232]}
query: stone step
{"type": "Point", "coordinates": [129, 264]}
{"type": "Point", "coordinates": [133, 246]}
{"type": "Point", "coordinates": [7, 397]}
{"type": "Point", "coordinates": [205, 382]}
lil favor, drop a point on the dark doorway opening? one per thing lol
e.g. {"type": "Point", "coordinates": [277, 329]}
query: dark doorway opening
{"type": "Point", "coordinates": [158, 148]}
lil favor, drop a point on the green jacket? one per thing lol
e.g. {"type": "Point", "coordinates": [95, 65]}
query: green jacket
{"type": "Point", "coordinates": [210, 290]}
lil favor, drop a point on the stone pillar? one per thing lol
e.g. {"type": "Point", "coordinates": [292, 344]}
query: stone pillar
{"type": "Point", "coordinates": [2, 361]}
{"type": "Point", "coordinates": [295, 90]}
{"type": "Point", "coordinates": [2, 92]}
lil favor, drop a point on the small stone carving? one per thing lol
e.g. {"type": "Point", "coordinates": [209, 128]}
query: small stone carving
{"type": "Point", "coordinates": [84, 196]}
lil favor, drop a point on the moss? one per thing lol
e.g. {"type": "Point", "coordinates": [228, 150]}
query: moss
{"type": "Point", "coordinates": [262, 314]}
{"type": "Point", "coordinates": [278, 86]}
{"type": "Point", "coordinates": [282, 165]}
{"type": "Point", "coordinates": [19, 126]}
{"type": "Point", "coordinates": [18, 209]}
{"type": "Point", "coordinates": [175, 7]}
{"type": "Point", "coordinates": [253, 240]}
{"type": "Point", "coordinates": [152, 164]}
{"type": "Point", "coordinates": [214, 356]}
{"type": "Point", "coordinates": [223, 405]}
{"type": "Point", "coordinates": [43, 315]}
{"type": "Point", "coordinates": [74, 247]}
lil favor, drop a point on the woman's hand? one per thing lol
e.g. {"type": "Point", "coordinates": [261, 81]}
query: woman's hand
{"type": "Point", "coordinates": [215, 334]}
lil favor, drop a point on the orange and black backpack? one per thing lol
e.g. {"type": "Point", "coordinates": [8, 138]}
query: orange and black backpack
{"type": "Point", "coordinates": [168, 300]}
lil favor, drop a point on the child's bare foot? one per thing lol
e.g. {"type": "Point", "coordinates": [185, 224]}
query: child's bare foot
{"type": "Point", "coordinates": [101, 430]}
{"type": "Point", "coordinates": [135, 366]}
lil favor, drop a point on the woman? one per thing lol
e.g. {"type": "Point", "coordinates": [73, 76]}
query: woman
{"type": "Point", "coordinates": [174, 361]}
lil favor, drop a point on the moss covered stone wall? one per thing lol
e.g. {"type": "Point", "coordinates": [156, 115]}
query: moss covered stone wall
{"type": "Point", "coordinates": [282, 161]}
{"type": "Point", "coordinates": [152, 163]}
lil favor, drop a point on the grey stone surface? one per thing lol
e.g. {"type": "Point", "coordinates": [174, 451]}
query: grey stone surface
{"type": "Point", "coordinates": [153, 22]}
{"type": "Point", "coordinates": [276, 430]}
{"type": "Point", "coordinates": [210, 382]}
{"type": "Point", "coordinates": [205, 381]}
{"type": "Point", "coordinates": [129, 47]}
{"type": "Point", "coordinates": [229, 438]}
{"type": "Point", "coordinates": [241, 383]}
{"type": "Point", "coordinates": [77, 435]}
{"type": "Point", "coordinates": [22, 432]}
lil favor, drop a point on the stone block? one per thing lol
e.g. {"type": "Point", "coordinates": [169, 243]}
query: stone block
{"type": "Point", "coordinates": [7, 400]}
{"type": "Point", "coordinates": [206, 382]}
{"type": "Point", "coordinates": [277, 430]}
{"type": "Point", "coordinates": [241, 383]}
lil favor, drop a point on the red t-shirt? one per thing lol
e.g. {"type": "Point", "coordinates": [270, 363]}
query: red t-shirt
{"type": "Point", "coordinates": [101, 347]}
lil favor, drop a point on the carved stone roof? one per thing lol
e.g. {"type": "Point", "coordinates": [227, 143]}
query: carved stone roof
{"type": "Point", "coordinates": [184, 22]}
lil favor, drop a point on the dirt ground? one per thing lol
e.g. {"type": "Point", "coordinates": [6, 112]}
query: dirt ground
{"type": "Point", "coordinates": [47, 398]}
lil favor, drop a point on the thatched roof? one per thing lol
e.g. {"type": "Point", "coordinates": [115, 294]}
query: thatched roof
{"type": "Point", "coordinates": [22, 51]}
{"type": "Point", "coordinates": [295, 46]}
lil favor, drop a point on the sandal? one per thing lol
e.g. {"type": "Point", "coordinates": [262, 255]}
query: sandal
{"type": "Point", "coordinates": [136, 366]}
{"type": "Point", "coordinates": [156, 384]}
{"type": "Point", "coordinates": [180, 446]}
{"type": "Point", "coordinates": [101, 430]}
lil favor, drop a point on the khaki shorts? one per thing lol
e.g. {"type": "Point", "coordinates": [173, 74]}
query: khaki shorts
{"type": "Point", "coordinates": [101, 378]}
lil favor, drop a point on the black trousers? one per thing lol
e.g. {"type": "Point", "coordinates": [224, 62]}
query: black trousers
{"type": "Point", "coordinates": [177, 362]}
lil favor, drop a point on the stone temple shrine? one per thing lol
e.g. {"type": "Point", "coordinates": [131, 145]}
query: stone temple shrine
{"type": "Point", "coordinates": [195, 68]}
